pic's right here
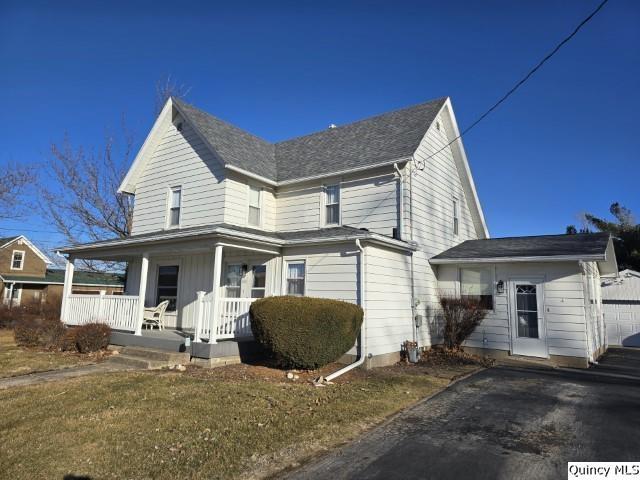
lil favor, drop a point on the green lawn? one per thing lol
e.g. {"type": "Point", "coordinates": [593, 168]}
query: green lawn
{"type": "Point", "coordinates": [231, 422]}
{"type": "Point", "coordinates": [20, 361]}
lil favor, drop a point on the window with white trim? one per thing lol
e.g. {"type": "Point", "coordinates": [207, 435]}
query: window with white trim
{"type": "Point", "coordinates": [332, 204]}
{"type": "Point", "coordinates": [456, 215]}
{"type": "Point", "coordinates": [168, 286]}
{"type": "Point", "coordinates": [259, 281]}
{"type": "Point", "coordinates": [296, 278]}
{"type": "Point", "coordinates": [233, 281]}
{"type": "Point", "coordinates": [175, 203]}
{"type": "Point", "coordinates": [255, 194]}
{"type": "Point", "coordinates": [17, 260]}
{"type": "Point", "coordinates": [477, 284]}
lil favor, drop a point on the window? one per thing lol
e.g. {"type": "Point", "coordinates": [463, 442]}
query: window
{"type": "Point", "coordinates": [259, 281]}
{"type": "Point", "coordinates": [295, 278]}
{"type": "Point", "coordinates": [477, 283]}
{"type": "Point", "coordinates": [254, 206]}
{"type": "Point", "coordinates": [332, 204]}
{"type": "Point", "coordinates": [168, 286]}
{"type": "Point", "coordinates": [527, 311]}
{"type": "Point", "coordinates": [233, 281]}
{"type": "Point", "coordinates": [455, 217]}
{"type": "Point", "coordinates": [17, 260]}
{"type": "Point", "coordinates": [175, 201]}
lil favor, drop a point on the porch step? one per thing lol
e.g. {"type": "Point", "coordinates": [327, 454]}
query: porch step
{"type": "Point", "coordinates": [148, 359]}
{"type": "Point", "coordinates": [174, 358]}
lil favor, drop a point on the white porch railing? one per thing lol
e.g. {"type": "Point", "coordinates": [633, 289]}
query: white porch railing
{"type": "Point", "coordinates": [117, 311]}
{"type": "Point", "coordinates": [121, 312]}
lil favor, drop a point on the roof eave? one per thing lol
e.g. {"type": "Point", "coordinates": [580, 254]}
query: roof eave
{"type": "Point", "coordinates": [518, 259]}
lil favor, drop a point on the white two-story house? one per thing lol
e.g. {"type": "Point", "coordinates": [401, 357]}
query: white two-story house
{"type": "Point", "coordinates": [370, 212]}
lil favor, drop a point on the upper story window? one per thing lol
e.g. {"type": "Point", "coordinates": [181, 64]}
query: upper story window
{"type": "Point", "coordinates": [456, 216]}
{"type": "Point", "coordinates": [477, 283]}
{"type": "Point", "coordinates": [175, 203]}
{"type": "Point", "coordinates": [295, 278]}
{"type": "Point", "coordinates": [255, 194]}
{"type": "Point", "coordinates": [332, 204]}
{"type": "Point", "coordinates": [17, 260]}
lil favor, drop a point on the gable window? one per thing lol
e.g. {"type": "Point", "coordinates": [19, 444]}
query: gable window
{"type": "Point", "coordinates": [175, 202]}
{"type": "Point", "coordinates": [17, 260]}
{"type": "Point", "coordinates": [259, 281]}
{"type": "Point", "coordinates": [295, 278]}
{"type": "Point", "coordinates": [456, 215]}
{"type": "Point", "coordinates": [332, 204]}
{"type": "Point", "coordinates": [476, 283]}
{"type": "Point", "coordinates": [168, 286]}
{"type": "Point", "coordinates": [254, 205]}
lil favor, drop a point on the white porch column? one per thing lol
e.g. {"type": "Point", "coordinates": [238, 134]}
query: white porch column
{"type": "Point", "coordinates": [67, 288]}
{"type": "Point", "coordinates": [142, 291]}
{"type": "Point", "coordinates": [217, 271]}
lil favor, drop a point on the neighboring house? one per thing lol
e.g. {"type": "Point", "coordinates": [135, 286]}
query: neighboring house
{"type": "Point", "coordinates": [621, 304]}
{"type": "Point", "coordinates": [365, 212]}
{"type": "Point", "coordinates": [26, 277]}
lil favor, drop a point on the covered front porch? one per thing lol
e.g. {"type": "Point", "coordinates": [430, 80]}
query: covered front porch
{"type": "Point", "coordinates": [210, 285]}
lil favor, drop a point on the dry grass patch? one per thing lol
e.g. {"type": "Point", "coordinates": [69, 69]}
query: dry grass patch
{"type": "Point", "coordinates": [230, 422]}
{"type": "Point", "coordinates": [16, 360]}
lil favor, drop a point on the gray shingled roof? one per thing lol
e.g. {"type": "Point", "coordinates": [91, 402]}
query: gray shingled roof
{"type": "Point", "coordinates": [5, 240]}
{"type": "Point", "coordinates": [55, 275]}
{"type": "Point", "coordinates": [372, 141]}
{"type": "Point", "coordinates": [580, 245]}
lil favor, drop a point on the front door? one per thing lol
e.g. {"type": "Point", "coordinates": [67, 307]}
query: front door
{"type": "Point", "coordinates": [527, 319]}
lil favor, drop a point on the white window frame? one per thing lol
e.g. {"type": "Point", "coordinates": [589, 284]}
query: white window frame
{"type": "Point", "coordinates": [253, 279]}
{"type": "Point", "coordinates": [285, 273]}
{"type": "Point", "coordinates": [259, 207]}
{"type": "Point", "coordinates": [324, 204]}
{"type": "Point", "coordinates": [456, 216]}
{"type": "Point", "coordinates": [168, 263]}
{"type": "Point", "coordinates": [13, 254]}
{"type": "Point", "coordinates": [224, 278]}
{"type": "Point", "coordinates": [7, 299]}
{"type": "Point", "coordinates": [492, 281]}
{"type": "Point", "coordinates": [170, 192]}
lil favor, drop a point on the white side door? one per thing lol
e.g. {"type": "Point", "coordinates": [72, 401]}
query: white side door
{"type": "Point", "coordinates": [526, 309]}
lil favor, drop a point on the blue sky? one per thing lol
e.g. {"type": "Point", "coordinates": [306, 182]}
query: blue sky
{"type": "Point", "coordinates": [567, 142]}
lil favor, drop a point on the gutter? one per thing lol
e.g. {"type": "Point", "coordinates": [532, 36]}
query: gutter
{"type": "Point", "coordinates": [552, 258]}
{"type": "Point", "coordinates": [362, 340]}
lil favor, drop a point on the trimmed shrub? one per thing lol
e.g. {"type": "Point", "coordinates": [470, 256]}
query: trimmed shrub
{"type": "Point", "coordinates": [92, 337]}
{"type": "Point", "coordinates": [34, 332]}
{"type": "Point", "coordinates": [461, 317]}
{"type": "Point", "coordinates": [69, 342]}
{"type": "Point", "coordinates": [304, 332]}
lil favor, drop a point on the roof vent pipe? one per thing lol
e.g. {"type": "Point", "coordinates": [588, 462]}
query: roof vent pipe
{"type": "Point", "coordinates": [332, 126]}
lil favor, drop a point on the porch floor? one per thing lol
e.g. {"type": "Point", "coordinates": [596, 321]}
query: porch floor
{"type": "Point", "coordinates": [174, 341]}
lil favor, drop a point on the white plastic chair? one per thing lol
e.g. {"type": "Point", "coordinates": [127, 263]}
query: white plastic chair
{"type": "Point", "coordinates": [154, 317]}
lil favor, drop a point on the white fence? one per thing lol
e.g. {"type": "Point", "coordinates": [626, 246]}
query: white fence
{"type": "Point", "coordinates": [118, 311]}
{"type": "Point", "coordinates": [233, 320]}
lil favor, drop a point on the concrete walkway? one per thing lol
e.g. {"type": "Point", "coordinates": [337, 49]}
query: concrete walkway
{"type": "Point", "coordinates": [503, 423]}
{"type": "Point", "coordinates": [57, 375]}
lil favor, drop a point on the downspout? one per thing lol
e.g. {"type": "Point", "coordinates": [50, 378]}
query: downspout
{"type": "Point", "coordinates": [362, 340]}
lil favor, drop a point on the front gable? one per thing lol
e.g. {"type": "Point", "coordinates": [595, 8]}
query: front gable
{"type": "Point", "coordinates": [33, 261]}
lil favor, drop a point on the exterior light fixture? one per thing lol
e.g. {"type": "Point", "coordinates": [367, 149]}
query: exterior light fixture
{"type": "Point", "coordinates": [500, 287]}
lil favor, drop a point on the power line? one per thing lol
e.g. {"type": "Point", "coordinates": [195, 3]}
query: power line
{"type": "Point", "coordinates": [521, 82]}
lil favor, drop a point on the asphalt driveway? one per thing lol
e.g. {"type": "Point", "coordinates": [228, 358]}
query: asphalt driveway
{"type": "Point", "coordinates": [503, 423]}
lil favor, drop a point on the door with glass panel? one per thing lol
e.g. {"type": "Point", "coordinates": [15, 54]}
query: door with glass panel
{"type": "Point", "coordinates": [527, 318]}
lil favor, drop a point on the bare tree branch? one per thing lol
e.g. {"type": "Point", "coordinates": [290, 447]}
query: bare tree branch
{"type": "Point", "coordinates": [14, 182]}
{"type": "Point", "coordinates": [169, 88]}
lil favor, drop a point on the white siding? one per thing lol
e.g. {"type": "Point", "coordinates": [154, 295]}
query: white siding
{"type": "Point", "coordinates": [236, 205]}
{"type": "Point", "coordinates": [367, 200]}
{"type": "Point", "coordinates": [331, 271]}
{"type": "Point", "coordinates": [388, 300]}
{"type": "Point", "coordinates": [429, 205]}
{"type": "Point", "coordinates": [180, 158]}
{"type": "Point", "coordinates": [564, 306]}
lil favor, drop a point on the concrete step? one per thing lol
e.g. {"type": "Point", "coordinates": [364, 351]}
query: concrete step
{"type": "Point", "coordinates": [136, 362]}
{"type": "Point", "coordinates": [171, 358]}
